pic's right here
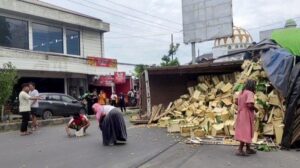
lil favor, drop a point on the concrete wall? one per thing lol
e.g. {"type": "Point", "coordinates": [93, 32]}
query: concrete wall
{"type": "Point", "coordinates": [38, 61]}
{"type": "Point", "coordinates": [92, 43]}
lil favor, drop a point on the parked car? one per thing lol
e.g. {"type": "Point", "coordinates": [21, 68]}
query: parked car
{"type": "Point", "coordinates": [57, 104]}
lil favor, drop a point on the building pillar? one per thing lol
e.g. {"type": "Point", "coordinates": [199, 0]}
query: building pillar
{"type": "Point", "coordinates": [65, 51]}
{"type": "Point", "coordinates": [30, 35]}
{"type": "Point", "coordinates": [66, 85]}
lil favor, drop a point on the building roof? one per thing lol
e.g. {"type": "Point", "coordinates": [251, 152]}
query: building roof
{"type": "Point", "coordinates": [48, 5]}
{"type": "Point", "coordinates": [39, 10]}
{"type": "Point", "coordinates": [202, 68]}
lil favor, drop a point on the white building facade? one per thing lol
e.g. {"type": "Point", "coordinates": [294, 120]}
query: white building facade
{"type": "Point", "coordinates": [50, 45]}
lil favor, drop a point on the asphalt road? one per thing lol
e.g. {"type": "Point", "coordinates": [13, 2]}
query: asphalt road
{"type": "Point", "coordinates": [147, 147]}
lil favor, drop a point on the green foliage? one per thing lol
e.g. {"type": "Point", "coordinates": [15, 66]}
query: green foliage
{"type": "Point", "coordinates": [168, 60]}
{"type": "Point", "coordinates": [263, 104]}
{"type": "Point", "coordinates": [264, 148]}
{"type": "Point", "coordinates": [261, 87]}
{"type": "Point", "coordinates": [238, 88]}
{"type": "Point", "coordinates": [139, 69]}
{"type": "Point", "coordinates": [8, 78]}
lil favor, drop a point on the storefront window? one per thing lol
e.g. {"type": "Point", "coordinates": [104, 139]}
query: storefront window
{"type": "Point", "coordinates": [47, 38]}
{"type": "Point", "coordinates": [73, 42]}
{"type": "Point", "coordinates": [13, 33]}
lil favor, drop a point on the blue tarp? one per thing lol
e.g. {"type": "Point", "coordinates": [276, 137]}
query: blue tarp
{"type": "Point", "coordinates": [278, 64]}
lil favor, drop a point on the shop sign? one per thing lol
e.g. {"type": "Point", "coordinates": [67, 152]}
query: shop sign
{"type": "Point", "coordinates": [120, 77]}
{"type": "Point", "coordinates": [106, 80]}
{"type": "Point", "coordinates": [102, 62]}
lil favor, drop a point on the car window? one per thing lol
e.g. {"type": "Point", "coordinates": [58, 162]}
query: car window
{"type": "Point", "coordinates": [53, 97]}
{"type": "Point", "coordinates": [67, 99]}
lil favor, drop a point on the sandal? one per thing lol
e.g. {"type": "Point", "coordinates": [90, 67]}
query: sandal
{"type": "Point", "coordinates": [241, 153]}
{"type": "Point", "coordinates": [251, 151]}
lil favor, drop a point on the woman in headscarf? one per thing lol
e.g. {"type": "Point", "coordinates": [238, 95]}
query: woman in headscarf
{"type": "Point", "coordinates": [111, 123]}
{"type": "Point", "coordinates": [244, 128]}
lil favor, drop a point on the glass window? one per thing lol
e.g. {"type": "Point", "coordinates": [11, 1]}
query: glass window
{"type": "Point", "coordinates": [67, 99]}
{"type": "Point", "coordinates": [13, 33]}
{"type": "Point", "coordinates": [47, 38]}
{"type": "Point", "coordinates": [73, 42]}
{"type": "Point", "coordinates": [53, 97]}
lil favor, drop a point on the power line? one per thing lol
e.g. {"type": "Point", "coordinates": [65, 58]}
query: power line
{"type": "Point", "coordinates": [279, 22]}
{"type": "Point", "coordinates": [142, 12]}
{"type": "Point", "coordinates": [121, 16]}
{"type": "Point", "coordinates": [148, 35]}
{"type": "Point", "coordinates": [140, 37]}
{"type": "Point", "coordinates": [136, 17]}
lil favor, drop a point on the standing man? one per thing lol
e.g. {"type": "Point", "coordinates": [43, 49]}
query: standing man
{"type": "Point", "coordinates": [102, 98]}
{"type": "Point", "coordinates": [113, 98]}
{"type": "Point", "coordinates": [122, 103]}
{"type": "Point", "coordinates": [34, 105]}
{"type": "Point", "coordinates": [25, 108]}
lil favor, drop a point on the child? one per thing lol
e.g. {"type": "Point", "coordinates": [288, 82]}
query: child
{"type": "Point", "coordinates": [244, 128]}
{"type": "Point", "coordinates": [78, 122]}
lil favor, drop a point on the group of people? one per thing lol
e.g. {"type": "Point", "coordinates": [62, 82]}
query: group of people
{"type": "Point", "coordinates": [112, 124]}
{"type": "Point", "coordinates": [28, 104]}
{"type": "Point", "coordinates": [102, 99]}
{"type": "Point", "coordinates": [109, 118]}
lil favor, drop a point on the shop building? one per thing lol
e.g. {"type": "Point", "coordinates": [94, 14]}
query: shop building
{"type": "Point", "coordinates": [51, 46]}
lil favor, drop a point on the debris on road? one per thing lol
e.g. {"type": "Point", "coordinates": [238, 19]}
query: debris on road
{"type": "Point", "coordinates": [209, 108]}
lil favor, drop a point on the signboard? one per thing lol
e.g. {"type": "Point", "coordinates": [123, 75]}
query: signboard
{"type": "Point", "coordinates": [120, 77]}
{"type": "Point", "coordinates": [102, 62]}
{"type": "Point", "coordinates": [205, 20]}
{"type": "Point", "coordinates": [106, 80]}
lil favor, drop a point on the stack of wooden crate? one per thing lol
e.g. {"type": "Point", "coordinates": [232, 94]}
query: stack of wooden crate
{"type": "Point", "coordinates": [209, 107]}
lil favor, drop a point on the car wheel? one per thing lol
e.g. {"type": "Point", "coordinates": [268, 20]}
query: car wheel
{"type": "Point", "coordinates": [47, 114]}
{"type": "Point", "coordinates": [82, 111]}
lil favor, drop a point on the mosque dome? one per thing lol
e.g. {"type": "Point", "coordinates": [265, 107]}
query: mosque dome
{"type": "Point", "coordinates": [241, 39]}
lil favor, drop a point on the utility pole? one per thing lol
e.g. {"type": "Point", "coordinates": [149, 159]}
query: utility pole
{"type": "Point", "coordinates": [172, 44]}
{"type": "Point", "coordinates": [193, 53]}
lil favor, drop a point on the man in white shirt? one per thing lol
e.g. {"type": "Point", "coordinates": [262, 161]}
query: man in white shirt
{"type": "Point", "coordinates": [113, 98]}
{"type": "Point", "coordinates": [34, 105]}
{"type": "Point", "coordinates": [25, 108]}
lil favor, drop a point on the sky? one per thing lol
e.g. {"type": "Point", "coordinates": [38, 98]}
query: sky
{"type": "Point", "coordinates": [141, 29]}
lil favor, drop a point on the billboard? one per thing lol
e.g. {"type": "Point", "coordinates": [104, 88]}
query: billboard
{"type": "Point", "coordinates": [205, 20]}
{"type": "Point", "coordinates": [120, 77]}
{"type": "Point", "coordinates": [106, 80]}
{"type": "Point", "coordinates": [102, 62]}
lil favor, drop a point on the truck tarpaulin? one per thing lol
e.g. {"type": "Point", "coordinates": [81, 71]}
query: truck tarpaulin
{"type": "Point", "coordinates": [278, 64]}
{"type": "Point", "coordinates": [292, 117]}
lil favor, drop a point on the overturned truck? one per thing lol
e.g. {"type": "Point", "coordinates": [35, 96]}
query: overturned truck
{"type": "Point", "coordinates": [160, 86]}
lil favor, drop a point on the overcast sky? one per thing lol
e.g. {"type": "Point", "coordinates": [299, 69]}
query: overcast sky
{"type": "Point", "coordinates": [146, 40]}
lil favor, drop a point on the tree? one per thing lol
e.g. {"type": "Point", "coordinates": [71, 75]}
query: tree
{"type": "Point", "coordinates": [168, 60]}
{"type": "Point", "coordinates": [8, 78]}
{"type": "Point", "coordinates": [139, 69]}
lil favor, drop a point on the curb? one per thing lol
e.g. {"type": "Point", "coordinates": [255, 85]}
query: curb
{"type": "Point", "coordinates": [6, 127]}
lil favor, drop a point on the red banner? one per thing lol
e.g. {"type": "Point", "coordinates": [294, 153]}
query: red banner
{"type": "Point", "coordinates": [102, 62]}
{"type": "Point", "coordinates": [120, 77]}
{"type": "Point", "coordinates": [107, 80]}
